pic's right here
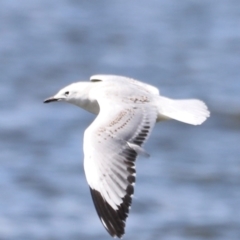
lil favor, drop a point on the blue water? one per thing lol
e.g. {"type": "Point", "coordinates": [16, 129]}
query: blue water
{"type": "Point", "coordinates": [189, 188]}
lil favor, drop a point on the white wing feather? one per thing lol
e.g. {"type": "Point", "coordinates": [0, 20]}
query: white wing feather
{"type": "Point", "coordinates": [109, 159]}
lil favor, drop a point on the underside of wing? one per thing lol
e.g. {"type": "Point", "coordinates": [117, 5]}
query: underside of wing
{"type": "Point", "coordinates": [114, 219]}
{"type": "Point", "coordinates": [110, 145]}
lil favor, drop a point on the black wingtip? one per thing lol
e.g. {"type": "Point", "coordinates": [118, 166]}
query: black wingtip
{"type": "Point", "coordinates": [112, 220]}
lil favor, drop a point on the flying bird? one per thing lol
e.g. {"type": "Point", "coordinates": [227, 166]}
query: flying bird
{"type": "Point", "coordinates": [127, 111]}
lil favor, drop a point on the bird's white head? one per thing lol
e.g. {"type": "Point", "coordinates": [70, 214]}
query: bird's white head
{"type": "Point", "coordinates": [74, 92]}
{"type": "Point", "coordinates": [77, 94]}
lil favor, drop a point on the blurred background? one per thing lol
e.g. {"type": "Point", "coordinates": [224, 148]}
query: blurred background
{"type": "Point", "coordinates": [189, 188]}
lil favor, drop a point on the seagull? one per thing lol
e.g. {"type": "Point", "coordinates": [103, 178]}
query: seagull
{"type": "Point", "coordinates": [127, 110]}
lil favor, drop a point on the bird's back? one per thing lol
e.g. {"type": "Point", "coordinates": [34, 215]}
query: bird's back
{"type": "Point", "coordinates": [125, 82]}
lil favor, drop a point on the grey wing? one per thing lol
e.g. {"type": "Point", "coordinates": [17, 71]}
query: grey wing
{"type": "Point", "coordinates": [110, 145]}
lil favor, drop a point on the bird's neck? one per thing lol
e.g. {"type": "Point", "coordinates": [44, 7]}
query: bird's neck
{"type": "Point", "coordinates": [86, 99]}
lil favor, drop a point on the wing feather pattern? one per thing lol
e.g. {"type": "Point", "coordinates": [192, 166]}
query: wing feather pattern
{"type": "Point", "coordinates": [109, 161]}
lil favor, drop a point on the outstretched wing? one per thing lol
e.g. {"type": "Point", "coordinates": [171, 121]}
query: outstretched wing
{"type": "Point", "coordinates": [111, 145]}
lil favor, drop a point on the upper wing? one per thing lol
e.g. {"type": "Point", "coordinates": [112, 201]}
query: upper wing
{"type": "Point", "coordinates": [111, 144]}
{"type": "Point", "coordinates": [125, 80]}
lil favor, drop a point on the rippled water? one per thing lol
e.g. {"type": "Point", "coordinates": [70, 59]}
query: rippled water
{"type": "Point", "coordinates": [189, 188]}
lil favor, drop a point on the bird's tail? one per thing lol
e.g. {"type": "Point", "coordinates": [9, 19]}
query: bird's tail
{"type": "Point", "coordinates": [191, 111]}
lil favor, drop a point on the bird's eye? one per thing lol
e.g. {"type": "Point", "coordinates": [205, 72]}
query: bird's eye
{"type": "Point", "coordinates": [66, 93]}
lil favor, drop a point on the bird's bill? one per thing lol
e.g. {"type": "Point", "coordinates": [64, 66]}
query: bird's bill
{"type": "Point", "coordinates": [51, 99]}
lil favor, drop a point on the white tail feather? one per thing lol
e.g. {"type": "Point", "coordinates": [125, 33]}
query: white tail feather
{"type": "Point", "coordinates": [191, 111]}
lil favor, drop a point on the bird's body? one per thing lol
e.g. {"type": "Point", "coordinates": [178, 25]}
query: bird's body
{"type": "Point", "coordinates": [127, 111]}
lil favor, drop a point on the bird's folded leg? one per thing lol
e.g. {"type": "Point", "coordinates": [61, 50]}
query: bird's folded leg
{"type": "Point", "coordinates": [139, 150]}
